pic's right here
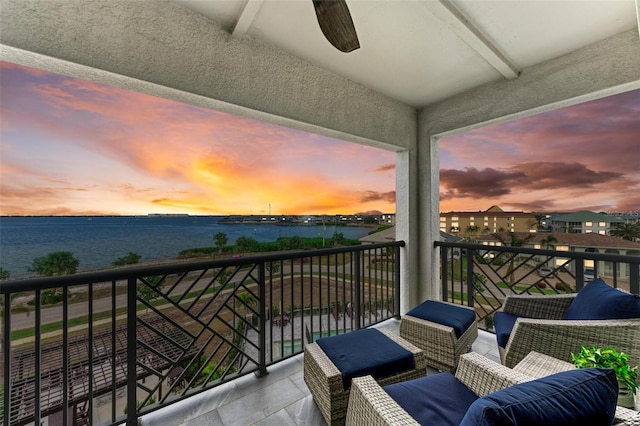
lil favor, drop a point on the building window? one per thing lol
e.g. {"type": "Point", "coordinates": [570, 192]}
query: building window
{"type": "Point", "coordinates": [602, 224]}
{"type": "Point", "coordinates": [588, 224]}
{"type": "Point", "coordinates": [562, 248]}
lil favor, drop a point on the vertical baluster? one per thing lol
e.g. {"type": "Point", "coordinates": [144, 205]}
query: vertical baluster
{"type": "Point", "coordinates": [445, 272]}
{"type": "Point", "coordinates": [113, 351]}
{"type": "Point", "coordinates": [6, 344]}
{"type": "Point", "coordinates": [357, 308]}
{"type": "Point", "coordinates": [91, 354]}
{"type": "Point", "coordinates": [634, 277]}
{"type": "Point", "coordinates": [262, 337]}
{"type": "Point", "coordinates": [131, 352]}
{"type": "Point", "coordinates": [38, 360]}
{"type": "Point", "coordinates": [470, 279]}
{"type": "Point", "coordinates": [396, 295]}
{"type": "Point", "coordinates": [65, 355]}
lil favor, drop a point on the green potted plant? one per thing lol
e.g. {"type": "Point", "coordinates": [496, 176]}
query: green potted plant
{"type": "Point", "coordinates": [619, 362]}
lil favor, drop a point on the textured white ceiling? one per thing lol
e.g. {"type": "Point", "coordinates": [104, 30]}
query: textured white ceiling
{"type": "Point", "coordinates": [420, 52]}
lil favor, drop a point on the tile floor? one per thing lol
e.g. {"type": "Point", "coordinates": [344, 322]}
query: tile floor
{"type": "Point", "coordinates": [279, 398]}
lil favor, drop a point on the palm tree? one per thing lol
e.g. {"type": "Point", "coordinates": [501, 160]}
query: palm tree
{"type": "Point", "coordinates": [513, 241]}
{"type": "Point", "coordinates": [539, 217]}
{"type": "Point", "coordinates": [548, 240]}
{"type": "Point", "coordinates": [472, 230]}
{"type": "Point", "coordinates": [626, 231]}
{"type": "Point", "coordinates": [546, 243]}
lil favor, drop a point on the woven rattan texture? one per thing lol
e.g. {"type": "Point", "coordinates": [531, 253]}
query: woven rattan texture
{"type": "Point", "coordinates": [369, 404]}
{"type": "Point", "coordinates": [324, 380]}
{"type": "Point", "coordinates": [545, 332]}
{"type": "Point", "coordinates": [441, 347]}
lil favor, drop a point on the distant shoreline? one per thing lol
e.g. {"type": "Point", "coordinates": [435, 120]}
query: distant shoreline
{"type": "Point", "coordinates": [98, 241]}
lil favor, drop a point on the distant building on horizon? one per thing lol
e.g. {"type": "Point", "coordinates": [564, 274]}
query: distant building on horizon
{"type": "Point", "coordinates": [575, 242]}
{"type": "Point", "coordinates": [490, 221]}
{"type": "Point", "coordinates": [585, 222]}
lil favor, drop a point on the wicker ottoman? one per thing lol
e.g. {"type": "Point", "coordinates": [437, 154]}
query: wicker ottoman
{"type": "Point", "coordinates": [444, 331]}
{"type": "Point", "coordinates": [325, 381]}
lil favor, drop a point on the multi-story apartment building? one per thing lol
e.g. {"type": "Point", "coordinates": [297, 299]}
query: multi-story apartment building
{"type": "Point", "coordinates": [585, 222]}
{"type": "Point", "coordinates": [489, 221]}
{"type": "Point", "coordinates": [574, 242]}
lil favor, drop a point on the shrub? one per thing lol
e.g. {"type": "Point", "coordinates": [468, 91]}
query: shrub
{"type": "Point", "coordinates": [130, 258]}
{"type": "Point", "coordinates": [56, 263]}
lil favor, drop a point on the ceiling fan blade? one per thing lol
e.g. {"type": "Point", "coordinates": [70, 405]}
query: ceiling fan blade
{"type": "Point", "coordinates": [336, 24]}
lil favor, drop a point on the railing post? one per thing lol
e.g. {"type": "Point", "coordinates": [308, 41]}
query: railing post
{"type": "Point", "coordinates": [396, 292]}
{"type": "Point", "coordinates": [132, 302]}
{"type": "Point", "coordinates": [634, 278]}
{"type": "Point", "coordinates": [444, 272]}
{"type": "Point", "coordinates": [262, 338]}
{"type": "Point", "coordinates": [470, 277]}
{"type": "Point", "coordinates": [38, 361]}
{"type": "Point", "coordinates": [358, 283]}
{"type": "Point", "coordinates": [65, 355]}
{"type": "Point", "coordinates": [579, 274]}
{"type": "Point", "coordinates": [6, 348]}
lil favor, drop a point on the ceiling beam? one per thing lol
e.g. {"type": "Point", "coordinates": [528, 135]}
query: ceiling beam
{"type": "Point", "coordinates": [453, 17]}
{"type": "Point", "coordinates": [248, 14]}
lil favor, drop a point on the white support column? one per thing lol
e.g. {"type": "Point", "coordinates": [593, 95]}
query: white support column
{"type": "Point", "coordinates": [429, 196]}
{"type": "Point", "coordinates": [407, 226]}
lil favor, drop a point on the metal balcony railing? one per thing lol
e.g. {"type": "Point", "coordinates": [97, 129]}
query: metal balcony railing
{"type": "Point", "coordinates": [108, 347]}
{"type": "Point", "coordinates": [482, 276]}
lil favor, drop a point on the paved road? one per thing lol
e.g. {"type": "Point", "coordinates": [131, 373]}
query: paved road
{"type": "Point", "coordinates": [50, 314]}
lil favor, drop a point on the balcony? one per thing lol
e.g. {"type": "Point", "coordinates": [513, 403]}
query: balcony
{"type": "Point", "coordinates": [280, 398]}
{"type": "Point", "coordinates": [221, 340]}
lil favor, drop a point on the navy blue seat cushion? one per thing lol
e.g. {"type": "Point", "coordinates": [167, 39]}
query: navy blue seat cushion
{"type": "Point", "coordinates": [439, 399]}
{"type": "Point", "coordinates": [503, 323]}
{"type": "Point", "coordinates": [366, 352]}
{"type": "Point", "coordinates": [459, 318]}
{"type": "Point", "coordinates": [599, 301]}
{"type": "Point", "coordinates": [577, 397]}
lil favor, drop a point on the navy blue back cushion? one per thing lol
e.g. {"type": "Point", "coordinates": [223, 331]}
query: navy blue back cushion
{"type": "Point", "coordinates": [503, 323]}
{"type": "Point", "coordinates": [598, 301]}
{"type": "Point", "coordinates": [457, 317]}
{"type": "Point", "coordinates": [577, 397]}
{"type": "Point", "coordinates": [439, 399]}
{"type": "Point", "coordinates": [366, 352]}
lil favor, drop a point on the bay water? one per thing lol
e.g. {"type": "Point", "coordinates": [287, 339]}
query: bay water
{"type": "Point", "coordinates": [97, 241]}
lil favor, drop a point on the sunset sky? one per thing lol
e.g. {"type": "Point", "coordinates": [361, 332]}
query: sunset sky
{"type": "Point", "coordinates": [73, 147]}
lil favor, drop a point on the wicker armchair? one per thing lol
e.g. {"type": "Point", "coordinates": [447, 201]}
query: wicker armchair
{"type": "Point", "coordinates": [370, 404]}
{"type": "Point", "coordinates": [544, 331]}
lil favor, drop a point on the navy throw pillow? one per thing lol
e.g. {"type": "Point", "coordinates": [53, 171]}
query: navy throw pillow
{"type": "Point", "coordinates": [599, 301]}
{"type": "Point", "coordinates": [577, 397]}
{"type": "Point", "coordinates": [439, 399]}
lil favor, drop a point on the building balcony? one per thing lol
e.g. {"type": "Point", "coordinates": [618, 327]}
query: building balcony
{"type": "Point", "coordinates": [221, 340]}
{"type": "Point", "coordinates": [280, 398]}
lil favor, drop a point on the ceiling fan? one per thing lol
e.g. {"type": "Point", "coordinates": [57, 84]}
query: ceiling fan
{"type": "Point", "coordinates": [336, 24]}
